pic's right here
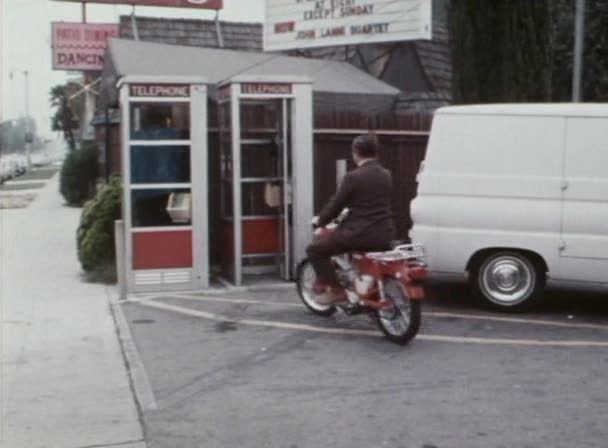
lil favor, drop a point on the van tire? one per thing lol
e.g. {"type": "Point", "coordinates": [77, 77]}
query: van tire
{"type": "Point", "coordinates": [508, 280]}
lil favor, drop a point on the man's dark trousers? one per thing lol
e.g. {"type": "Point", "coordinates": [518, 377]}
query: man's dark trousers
{"type": "Point", "coordinates": [323, 248]}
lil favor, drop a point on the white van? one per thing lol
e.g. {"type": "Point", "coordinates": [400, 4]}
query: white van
{"type": "Point", "coordinates": [513, 195]}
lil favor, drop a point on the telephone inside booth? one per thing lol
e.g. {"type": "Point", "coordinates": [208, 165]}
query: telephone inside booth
{"type": "Point", "coordinates": [260, 166]}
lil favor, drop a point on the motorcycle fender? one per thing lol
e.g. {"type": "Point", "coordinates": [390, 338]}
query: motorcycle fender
{"type": "Point", "coordinates": [414, 290]}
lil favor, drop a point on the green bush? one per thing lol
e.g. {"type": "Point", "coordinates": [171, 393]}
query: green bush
{"type": "Point", "coordinates": [95, 236]}
{"type": "Point", "coordinates": [78, 174]}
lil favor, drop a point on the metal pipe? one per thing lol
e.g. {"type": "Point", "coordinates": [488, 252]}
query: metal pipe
{"type": "Point", "coordinates": [28, 130]}
{"type": "Point", "coordinates": [286, 189]}
{"type": "Point", "coordinates": [218, 30]}
{"type": "Point", "coordinates": [349, 132]}
{"type": "Point", "coordinates": [84, 12]}
{"type": "Point", "coordinates": [134, 24]}
{"type": "Point", "coordinates": [579, 48]}
{"type": "Point", "coordinates": [341, 168]}
{"type": "Point", "coordinates": [27, 93]}
{"type": "Point", "coordinates": [121, 252]}
{"type": "Point", "coordinates": [107, 144]}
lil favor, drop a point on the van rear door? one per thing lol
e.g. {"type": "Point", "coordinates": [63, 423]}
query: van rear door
{"type": "Point", "coordinates": [584, 240]}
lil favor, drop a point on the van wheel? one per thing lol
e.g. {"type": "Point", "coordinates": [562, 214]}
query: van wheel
{"type": "Point", "coordinates": [508, 280]}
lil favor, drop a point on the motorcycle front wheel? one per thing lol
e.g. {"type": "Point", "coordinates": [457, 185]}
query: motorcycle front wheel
{"type": "Point", "coordinates": [305, 279]}
{"type": "Point", "coordinates": [401, 322]}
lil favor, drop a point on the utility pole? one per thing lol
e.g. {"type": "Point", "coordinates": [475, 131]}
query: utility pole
{"type": "Point", "coordinates": [579, 48]}
{"type": "Point", "coordinates": [28, 131]}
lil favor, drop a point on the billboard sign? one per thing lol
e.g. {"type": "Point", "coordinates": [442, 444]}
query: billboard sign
{"type": "Point", "coordinates": [200, 4]}
{"type": "Point", "coordinates": [81, 46]}
{"type": "Point", "coordinates": [294, 24]}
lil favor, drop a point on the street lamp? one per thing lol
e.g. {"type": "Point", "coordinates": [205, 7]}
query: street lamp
{"type": "Point", "coordinates": [28, 130]}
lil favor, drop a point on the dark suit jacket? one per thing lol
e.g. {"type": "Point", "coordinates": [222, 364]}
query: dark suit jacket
{"type": "Point", "coordinates": [367, 192]}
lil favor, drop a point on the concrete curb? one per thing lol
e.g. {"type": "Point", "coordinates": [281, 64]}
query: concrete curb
{"type": "Point", "coordinates": [140, 383]}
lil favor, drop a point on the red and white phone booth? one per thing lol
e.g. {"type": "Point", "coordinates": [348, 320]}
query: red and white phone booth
{"type": "Point", "coordinates": [266, 146]}
{"type": "Point", "coordinates": [164, 167]}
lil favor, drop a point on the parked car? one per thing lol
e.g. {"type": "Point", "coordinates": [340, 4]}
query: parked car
{"type": "Point", "coordinates": [40, 158]}
{"type": "Point", "coordinates": [20, 162]}
{"type": "Point", "coordinates": [513, 195]}
{"type": "Point", "coordinates": [8, 168]}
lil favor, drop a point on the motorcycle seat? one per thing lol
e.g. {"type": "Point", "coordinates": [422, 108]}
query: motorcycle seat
{"type": "Point", "coordinates": [396, 243]}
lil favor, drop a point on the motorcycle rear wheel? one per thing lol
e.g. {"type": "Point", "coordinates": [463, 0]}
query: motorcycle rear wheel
{"type": "Point", "coordinates": [305, 278]}
{"type": "Point", "coordinates": [401, 322]}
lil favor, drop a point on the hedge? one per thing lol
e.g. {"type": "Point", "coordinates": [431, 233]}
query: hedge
{"type": "Point", "coordinates": [95, 236]}
{"type": "Point", "coordinates": [78, 174]}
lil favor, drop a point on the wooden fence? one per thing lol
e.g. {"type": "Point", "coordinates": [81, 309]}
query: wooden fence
{"type": "Point", "coordinates": [403, 142]}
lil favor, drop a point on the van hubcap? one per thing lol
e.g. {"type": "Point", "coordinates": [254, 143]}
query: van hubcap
{"type": "Point", "coordinates": [507, 280]}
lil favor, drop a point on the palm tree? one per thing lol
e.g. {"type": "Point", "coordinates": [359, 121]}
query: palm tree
{"type": "Point", "coordinates": [65, 120]}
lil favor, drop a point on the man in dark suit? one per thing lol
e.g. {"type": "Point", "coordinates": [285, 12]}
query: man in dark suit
{"type": "Point", "coordinates": [366, 192]}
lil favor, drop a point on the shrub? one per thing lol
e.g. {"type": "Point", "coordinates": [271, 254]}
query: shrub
{"type": "Point", "coordinates": [95, 236]}
{"type": "Point", "coordinates": [78, 174]}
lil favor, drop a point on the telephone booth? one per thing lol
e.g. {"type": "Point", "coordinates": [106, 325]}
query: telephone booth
{"type": "Point", "coordinates": [266, 152]}
{"type": "Point", "coordinates": [164, 168]}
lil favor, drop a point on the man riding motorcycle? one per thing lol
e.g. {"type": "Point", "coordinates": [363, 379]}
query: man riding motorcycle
{"type": "Point", "coordinates": [366, 192]}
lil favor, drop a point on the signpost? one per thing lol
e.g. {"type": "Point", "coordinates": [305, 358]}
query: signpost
{"type": "Point", "coordinates": [198, 4]}
{"type": "Point", "coordinates": [294, 24]}
{"type": "Point", "coordinates": [81, 46]}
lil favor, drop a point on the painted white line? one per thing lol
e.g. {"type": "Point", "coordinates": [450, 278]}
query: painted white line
{"type": "Point", "coordinates": [344, 331]}
{"type": "Point", "coordinates": [252, 322]}
{"type": "Point", "coordinates": [518, 320]}
{"type": "Point", "coordinates": [141, 383]}
{"type": "Point", "coordinates": [438, 314]}
{"type": "Point", "coordinates": [213, 292]}
{"type": "Point", "coordinates": [234, 301]}
{"type": "Point", "coordinates": [25, 182]}
{"type": "Point", "coordinates": [16, 193]}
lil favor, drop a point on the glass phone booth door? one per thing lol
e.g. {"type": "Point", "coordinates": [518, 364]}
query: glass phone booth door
{"type": "Point", "coordinates": [256, 172]}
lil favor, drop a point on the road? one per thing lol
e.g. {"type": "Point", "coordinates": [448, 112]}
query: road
{"type": "Point", "coordinates": [257, 370]}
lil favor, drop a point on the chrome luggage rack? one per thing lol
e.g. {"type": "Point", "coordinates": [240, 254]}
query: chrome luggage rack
{"type": "Point", "coordinates": [401, 252]}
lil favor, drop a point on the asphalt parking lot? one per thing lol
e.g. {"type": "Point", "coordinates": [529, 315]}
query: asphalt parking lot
{"type": "Point", "coordinates": [258, 370]}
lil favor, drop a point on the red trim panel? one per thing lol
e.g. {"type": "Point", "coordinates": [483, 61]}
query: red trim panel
{"type": "Point", "coordinates": [158, 250]}
{"type": "Point", "coordinates": [261, 236]}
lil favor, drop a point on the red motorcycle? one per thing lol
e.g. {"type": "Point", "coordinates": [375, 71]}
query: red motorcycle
{"type": "Point", "coordinates": [387, 285]}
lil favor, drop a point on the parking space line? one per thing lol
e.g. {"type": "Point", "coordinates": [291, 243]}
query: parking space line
{"type": "Point", "coordinates": [344, 331]}
{"type": "Point", "coordinates": [517, 320]}
{"type": "Point", "coordinates": [440, 314]}
{"type": "Point", "coordinates": [233, 300]}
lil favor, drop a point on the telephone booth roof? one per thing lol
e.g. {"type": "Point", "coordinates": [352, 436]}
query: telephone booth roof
{"type": "Point", "coordinates": [331, 80]}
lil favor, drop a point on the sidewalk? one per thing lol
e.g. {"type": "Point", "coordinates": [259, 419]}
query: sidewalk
{"type": "Point", "coordinates": [64, 380]}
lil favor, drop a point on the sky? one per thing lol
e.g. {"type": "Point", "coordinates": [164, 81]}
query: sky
{"type": "Point", "coordinates": [26, 45]}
